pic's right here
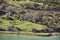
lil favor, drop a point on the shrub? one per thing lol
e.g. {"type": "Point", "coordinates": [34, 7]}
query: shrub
{"type": "Point", "coordinates": [10, 18]}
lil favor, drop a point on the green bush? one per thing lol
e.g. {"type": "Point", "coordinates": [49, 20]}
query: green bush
{"type": "Point", "coordinates": [10, 18]}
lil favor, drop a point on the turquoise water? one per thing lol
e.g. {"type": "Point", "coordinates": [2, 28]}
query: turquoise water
{"type": "Point", "coordinates": [27, 38]}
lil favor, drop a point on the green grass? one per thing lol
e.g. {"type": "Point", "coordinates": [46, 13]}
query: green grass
{"type": "Point", "coordinates": [21, 24]}
{"type": "Point", "coordinates": [19, 3]}
{"type": "Point", "coordinates": [48, 2]}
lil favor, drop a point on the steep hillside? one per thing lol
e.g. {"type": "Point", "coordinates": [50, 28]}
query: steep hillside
{"type": "Point", "coordinates": [29, 15]}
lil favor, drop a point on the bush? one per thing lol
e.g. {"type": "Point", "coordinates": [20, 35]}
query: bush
{"type": "Point", "coordinates": [10, 18]}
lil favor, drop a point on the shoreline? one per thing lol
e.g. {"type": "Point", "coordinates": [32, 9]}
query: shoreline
{"type": "Point", "coordinates": [31, 35]}
{"type": "Point", "coordinates": [28, 36]}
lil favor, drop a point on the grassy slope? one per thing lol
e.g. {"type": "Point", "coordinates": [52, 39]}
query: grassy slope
{"type": "Point", "coordinates": [18, 3]}
{"type": "Point", "coordinates": [21, 24]}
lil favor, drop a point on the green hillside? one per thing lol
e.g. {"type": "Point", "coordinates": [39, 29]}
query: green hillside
{"type": "Point", "coordinates": [30, 14]}
{"type": "Point", "coordinates": [45, 3]}
{"type": "Point", "coordinates": [20, 24]}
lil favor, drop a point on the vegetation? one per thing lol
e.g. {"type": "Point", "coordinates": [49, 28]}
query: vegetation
{"type": "Point", "coordinates": [40, 4]}
{"type": "Point", "coordinates": [27, 15]}
{"type": "Point", "coordinates": [20, 24]}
